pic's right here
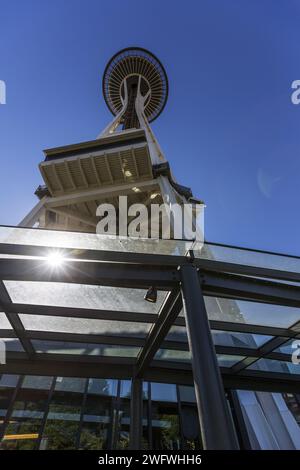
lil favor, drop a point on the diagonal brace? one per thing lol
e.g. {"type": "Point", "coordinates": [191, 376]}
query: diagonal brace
{"type": "Point", "coordinates": [168, 314]}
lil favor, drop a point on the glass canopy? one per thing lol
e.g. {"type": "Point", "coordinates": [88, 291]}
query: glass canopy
{"type": "Point", "coordinates": [88, 302]}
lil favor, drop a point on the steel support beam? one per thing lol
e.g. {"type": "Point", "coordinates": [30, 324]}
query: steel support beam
{"type": "Point", "coordinates": [78, 253]}
{"type": "Point", "coordinates": [246, 288]}
{"type": "Point", "coordinates": [141, 317]}
{"type": "Point", "coordinates": [70, 312]}
{"type": "Point", "coordinates": [249, 328]}
{"type": "Point", "coordinates": [215, 421]}
{"type": "Point", "coordinates": [123, 368]}
{"type": "Point", "coordinates": [95, 339]}
{"type": "Point", "coordinates": [136, 414]}
{"type": "Point", "coordinates": [255, 271]}
{"type": "Point", "coordinates": [15, 321]}
{"type": "Point", "coordinates": [93, 273]}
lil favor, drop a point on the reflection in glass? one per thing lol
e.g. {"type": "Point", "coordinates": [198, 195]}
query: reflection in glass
{"type": "Point", "coordinates": [163, 392]}
{"type": "Point", "coordinates": [64, 414]}
{"type": "Point", "coordinates": [37, 382]}
{"type": "Point", "coordinates": [84, 349]}
{"type": "Point", "coordinates": [165, 418]}
{"type": "Point", "coordinates": [271, 365]}
{"type": "Point", "coordinates": [289, 347]}
{"type": "Point", "coordinates": [97, 413]}
{"type": "Point", "coordinates": [241, 311]}
{"type": "Point", "coordinates": [106, 387]}
{"type": "Point", "coordinates": [187, 394]}
{"type": "Point", "coordinates": [123, 422]}
{"type": "Point", "coordinates": [61, 294]}
{"type": "Point", "coordinates": [226, 360]}
{"type": "Point", "coordinates": [91, 241]}
{"type": "Point", "coordinates": [4, 323]}
{"type": "Point", "coordinates": [190, 427]}
{"type": "Point", "coordinates": [7, 384]}
{"type": "Point", "coordinates": [85, 326]}
{"type": "Point", "coordinates": [23, 428]}
{"type": "Point", "coordinates": [173, 355]}
{"type": "Point", "coordinates": [12, 344]}
{"type": "Point", "coordinates": [293, 402]}
{"type": "Point", "coordinates": [222, 338]}
{"type": "Point", "coordinates": [8, 380]}
{"type": "Point", "coordinates": [236, 339]}
{"type": "Point", "coordinates": [94, 414]}
{"type": "Point", "coordinates": [247, 257]}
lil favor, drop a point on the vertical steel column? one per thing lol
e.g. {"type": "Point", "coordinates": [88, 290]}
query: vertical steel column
{"type": "Point", "coordinates": [215, 423]}
{"type": "Point", "coordinates": [136, 414]}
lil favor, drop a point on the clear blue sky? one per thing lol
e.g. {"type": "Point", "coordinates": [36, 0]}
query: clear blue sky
{"type": "Point", "coordinates": [229, 129]}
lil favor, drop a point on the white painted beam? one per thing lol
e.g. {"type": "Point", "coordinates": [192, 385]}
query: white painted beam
{"type": "Point", "coordinates": [100, 193]}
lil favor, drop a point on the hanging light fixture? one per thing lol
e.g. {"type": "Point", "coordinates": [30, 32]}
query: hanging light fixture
{"type": "Point", "coordinates": [151, 295]}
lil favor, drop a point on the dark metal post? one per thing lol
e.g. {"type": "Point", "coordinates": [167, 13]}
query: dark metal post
{"type": "Point", "coordinates": [136, 414]}
{"type": "Point", "coordinates": [215, 422]}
